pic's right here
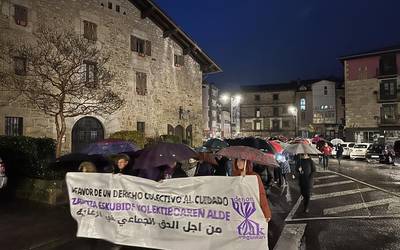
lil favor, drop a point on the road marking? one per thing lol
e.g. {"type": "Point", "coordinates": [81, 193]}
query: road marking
{"type": "Point", "coordinates": [294, 209]}
{"type": "Point", "coordinates": [326, 177]}
{"type": "Point", "coordinates": [367, 184]}
{"type": "Point", "coordinates": [394, 216]}
{"type": "Point", "coordinates": [337, 194]}
{"type": "Point", "coordinates": [333, 184]}
{"type": "Point", "coordinates": [290, 238]}
{"type": "Point", "coordinates": [356, 206]}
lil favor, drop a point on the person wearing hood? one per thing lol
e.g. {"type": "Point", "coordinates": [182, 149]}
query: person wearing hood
{"type": "Point", "coordinates": [306, 169]}
{"type": "Point", "coordinates": [243, 168]}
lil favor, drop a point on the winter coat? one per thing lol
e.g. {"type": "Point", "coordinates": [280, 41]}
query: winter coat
{"type": "Point", "coordinates": [339, 151]}
{"type": "Point", "coordinates": [326, 150]}
{"type": "Point", "coordinates": [306, 169]}
{"type": "Point", "coordinates": [262, 196]}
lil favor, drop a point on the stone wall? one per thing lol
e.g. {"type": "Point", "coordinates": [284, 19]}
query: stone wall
{"type": "Point", "coordinates": [362, 109]}
{"type": "Point", "coordinates": [168, 87]}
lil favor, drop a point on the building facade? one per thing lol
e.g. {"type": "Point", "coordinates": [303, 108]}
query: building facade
{"type": "Point", "coordinates": [299, 108]}
{"type": "Point", "coordinates": [371, 92]}
{"type": "Point", "coordinates": [159, 69]}
{"type": "Point", "coordinates": [211, 111]}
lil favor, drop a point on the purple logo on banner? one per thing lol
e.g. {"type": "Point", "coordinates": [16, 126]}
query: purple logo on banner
{"type": "Point", "coordinates": [248, 229]}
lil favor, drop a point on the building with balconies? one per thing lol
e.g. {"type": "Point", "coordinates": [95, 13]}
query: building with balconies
{"type": "Point", "coordinates": [372, 94]}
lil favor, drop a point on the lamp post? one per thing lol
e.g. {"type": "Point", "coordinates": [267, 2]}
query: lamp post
{"type": "Point", "coordinates": [228, 99]}
{"type": "Point", "coordinates": [293, 111]}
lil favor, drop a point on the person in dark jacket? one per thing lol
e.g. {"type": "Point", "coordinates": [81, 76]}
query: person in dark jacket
{"type": "Point", "coordinates": [123, 166]}
{"type": "Point", "coordinates": [306, 169]}
{"type": "Point", "coordinates": [339, 152]}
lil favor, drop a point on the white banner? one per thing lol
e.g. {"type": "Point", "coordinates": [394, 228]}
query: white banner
{"type": "Point", "coordinates": [185, 213]}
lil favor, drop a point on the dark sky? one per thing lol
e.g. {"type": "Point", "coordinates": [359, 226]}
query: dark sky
{"type": "Point", "coordinates": [270, 41]}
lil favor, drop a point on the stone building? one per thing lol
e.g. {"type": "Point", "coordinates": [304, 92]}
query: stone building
{"type": "Point", "coordinates": [298, 108]}
{"type": "Point", "coordinates": [211, 111]}
{"type": "Point", "coordinates": [372, 99]}
{"type": "Point", "coordinates": [159, 66]}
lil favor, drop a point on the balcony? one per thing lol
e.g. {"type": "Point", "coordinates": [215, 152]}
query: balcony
{"type": "Point", "coordinates": [389, 122]}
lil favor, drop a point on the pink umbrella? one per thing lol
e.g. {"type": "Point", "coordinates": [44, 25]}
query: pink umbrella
{"type": "Point", "coordinates": [248, 153]}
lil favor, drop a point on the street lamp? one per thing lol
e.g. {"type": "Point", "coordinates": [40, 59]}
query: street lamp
{"type": "Point", "coordinates": [231, 100]}
{"type": "Point", "coordinates": [293, 111]}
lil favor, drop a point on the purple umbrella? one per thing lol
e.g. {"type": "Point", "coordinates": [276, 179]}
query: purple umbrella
{"type": "Point", "coordinates": [163, 154]}
{"type": "Point", "coordinates": [109, 147]}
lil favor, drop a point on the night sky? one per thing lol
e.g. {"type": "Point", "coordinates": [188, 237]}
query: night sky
{"type": "Point", "coordinates": [272, 41]}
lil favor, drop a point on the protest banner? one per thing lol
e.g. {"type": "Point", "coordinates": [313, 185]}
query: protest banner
{"type": "Point", "coordinates": [186, 213]}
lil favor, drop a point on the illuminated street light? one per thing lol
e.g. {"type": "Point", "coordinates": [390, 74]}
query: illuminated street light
{"type": "Point", "coordinates": [225, 98]}
{"type": "Point", "coordinates": [238, 98]}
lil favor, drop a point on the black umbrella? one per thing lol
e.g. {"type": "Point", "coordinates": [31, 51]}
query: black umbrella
{"type": "Point", "coordinates": [163, 154]}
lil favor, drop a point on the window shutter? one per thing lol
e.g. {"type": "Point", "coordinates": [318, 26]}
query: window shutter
{"type": "Point", "coordinates": [182, 60]}
{"type": "Point", "coordinates": [148, 48]}
{"type": "Point", "coordinates": [134, 44]}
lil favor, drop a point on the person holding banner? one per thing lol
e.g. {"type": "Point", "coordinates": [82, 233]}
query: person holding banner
{"type": "Point", "coordinates": [243, 168]}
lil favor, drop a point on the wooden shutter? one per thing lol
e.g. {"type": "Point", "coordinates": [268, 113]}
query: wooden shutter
{"type": "Point", "coordinates": [134, 42]}
{"type": "Point", "coordinates": [182, 60]}
{"type": "Point", "coordinates": [141, 83]}
{"type": "Point", "coordinates": [148, 48]}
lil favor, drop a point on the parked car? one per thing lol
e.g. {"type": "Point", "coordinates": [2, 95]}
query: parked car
{"type": "Point", "coordinates": [396, 149]}
{"type": "Point", "coordinates": [347, 148]}
{"type": "Point", "coordinates": [3, 176]}
{"type": "Point", "coordinates": [359, 151]}
{"type": "Point", "coordinates": [382, 153]}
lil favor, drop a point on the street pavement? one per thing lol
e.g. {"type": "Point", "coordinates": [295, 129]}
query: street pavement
{"type": "Point", "coordinates": [354, 206]}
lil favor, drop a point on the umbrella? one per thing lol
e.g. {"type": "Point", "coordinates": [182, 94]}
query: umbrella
{"type": "Point", "coordinates": [163, 154]}
{"type": "Point", "coordinates": [277, 146]}
{"type": "Point", "coordinates": [322, 142]}
{"type": "Point", "coordinates": [337, 141]}
{"type": "Point", "coordinates": [109, 147]}
{"type": "Point", "coordinates": [215, 144]}
{"type": "Point", "coordinates": [301, 148]}
{"type": "Point", "coordinates": [208, 157]}
{"type": "Point", "coordinates": [316, 139]}
{"type": "Point", "coordinates": [248, 153]}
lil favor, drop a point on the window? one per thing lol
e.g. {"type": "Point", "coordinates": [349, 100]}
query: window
{"type": "Point", "coordinates": [90, 30]}
{"type": "Point", "coordinates": [285, 124]}
{"type": "Point", "coordinates": [141, 127]}
{"type": "Point", "coordinates": [110, 5]}
{"type": "Point", "coordinates": [21, 15]}
{"type": "Point", "coordinates": [118, 8]}
{"type": "Point", "coordinates": [20, 66]}
{"type": "Point", "coordinates": [325, 90]}
{"type": "Point", "coordinates": [275, 111]}
{"type": "Point", "coordinates": [14, 126]}
{"type": "Point", "coordinates": [179, 60]}
{"type": "Point", "coordinates": [303, 104]}
{"type": "Point", "coordinates": [388, 89]}
{"type": "Point", "coordinates": [257, 98]}
{"type": "Point", "coordinates": [275, 97]}
{"type": "Point", "coordinates": [257, 125]}
{"type": "Point", "coordinates": [90, 72]}
{"type": "Point", "coordinates": [389, 113]}
{"type": "Point", "coordinates": [275, 125]}
{"type": "Point", "coordinates": [141, 46]}
{"type": "Point", "coordinates": [387, 64]}
{"type": "Point", "coordinates": [141, 83]}
{"type": "Point", "coordinates": [258, 114]}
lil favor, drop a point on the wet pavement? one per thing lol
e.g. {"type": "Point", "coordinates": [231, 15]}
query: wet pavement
{"type": "Point", "coordinates": [354, 206]}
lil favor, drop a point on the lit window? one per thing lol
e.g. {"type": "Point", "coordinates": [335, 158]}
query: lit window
{"type": "Point", "coordinates": [303, 104]}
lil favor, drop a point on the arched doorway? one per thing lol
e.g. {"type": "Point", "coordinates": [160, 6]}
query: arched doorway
{"type": "Point", "coordinates": [179, 132]}
{"type": "Point", "coordinates": [85, 131]}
